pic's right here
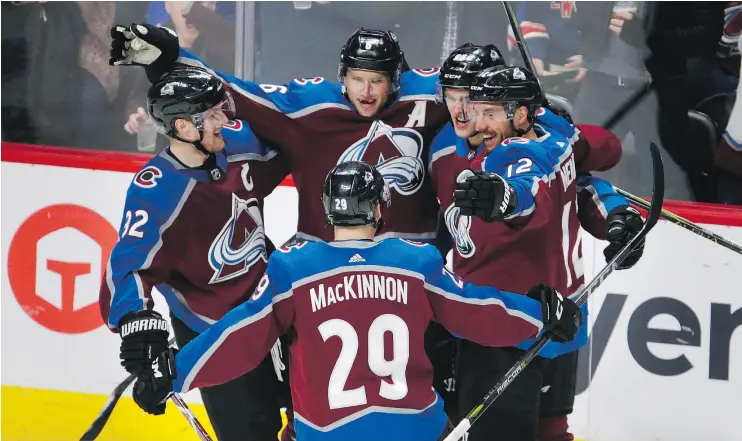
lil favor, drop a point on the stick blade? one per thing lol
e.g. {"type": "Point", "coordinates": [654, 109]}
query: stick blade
{"type": "Point", "coordinates": [658, 186]}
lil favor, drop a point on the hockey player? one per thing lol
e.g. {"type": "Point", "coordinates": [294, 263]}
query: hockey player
{"type": "Point", "coordinates": [455, 149]}
{"type": "Point", "coordinates": [375, 113]}
{"type": "Point", "coordinates": [193, 227]}
{"type": "Point", "coordinates": [526, 193]}
{"type": "Point", "coordinates": [357, 310]}
{"type": "Point", "coordinates": [459, 145]}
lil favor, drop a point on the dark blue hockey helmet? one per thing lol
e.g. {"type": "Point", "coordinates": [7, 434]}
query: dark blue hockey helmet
{"type": "Point", "coordinates": [509, 86]}
{"type": "Point", "coordinates": [351, 192]}
{"type": "Point", "coordinates": [374, 50]}
{"type": "Point", "coordinates": [466, 61]}
{"type": "Point", "coordinates": [186, 93]}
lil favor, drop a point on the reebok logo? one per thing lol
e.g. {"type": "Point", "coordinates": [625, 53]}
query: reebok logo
{"type": "Point", "coordinates": [356, 258]}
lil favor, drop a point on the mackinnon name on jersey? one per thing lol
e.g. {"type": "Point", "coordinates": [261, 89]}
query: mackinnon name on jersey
{"type": "Point", "coordinates": [359, 286]}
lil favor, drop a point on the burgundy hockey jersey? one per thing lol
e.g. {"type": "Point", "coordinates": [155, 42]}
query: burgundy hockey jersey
{"type": "Point", "coordinates": [316, 128]}
{"type": "Point", "coordinates": [541, 242]}
{"type": "Point", "coordinates": [357, 311]}
{"type": "Point", "coordinates": [196, 234]}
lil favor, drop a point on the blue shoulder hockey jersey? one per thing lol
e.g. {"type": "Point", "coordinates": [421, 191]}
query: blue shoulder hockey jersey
{"type": "Point", "coordinates": [196, 234]}
{"type": "Point", "coordinates": [543, 233]}
{"type": "Point", "coordinates": [316, 128]}
{"type": "Point", "coordinates": [357, 311]}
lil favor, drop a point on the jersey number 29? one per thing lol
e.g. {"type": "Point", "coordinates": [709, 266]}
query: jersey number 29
{"type": "Point", "coordinates": [395, 368]}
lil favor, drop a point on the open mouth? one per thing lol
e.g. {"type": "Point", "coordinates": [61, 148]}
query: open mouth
{"type": "Point", "coordinates": [491, 140]}
{"type": "Point", "coordinates": [460, 122]}
{"type": "Point", "coordinates": [367, 104]}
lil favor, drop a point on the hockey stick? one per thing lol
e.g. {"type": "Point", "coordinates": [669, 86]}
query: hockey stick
{"type": "Point", "coordinates": [631, 102]}
{"type": "Point", "coordinates": [658, 194]}
{"type": "Point", "coordinates": [519, 40]}
{"type": "Point", "coordinates": [203, 435]}
{"type": "Point", "coordinates": [102, 418]}
{"type": "Point", "coordinates": [682, 222]}
{"type": "Point", "coordinates": [100, 421]}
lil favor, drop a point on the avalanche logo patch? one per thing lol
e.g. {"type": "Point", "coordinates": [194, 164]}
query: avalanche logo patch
{"type": "Point", "coordinates": [233, 124]}
{"type": "Point", "coordinates": [402, 167]}
{"type": "Point", "coordinates": [427, 72]}
{"type": "Point", "coordinates": [459, 227]}
{"type": "Point", "coordinates": [240, 244]}
{"type": "Point", "coordinates": [147, 177]}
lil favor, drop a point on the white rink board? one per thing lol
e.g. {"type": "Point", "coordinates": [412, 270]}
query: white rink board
{"type": "Point", "coordinates": [625, 402]}
{"type": "Point", "coordinates": [683, 274]}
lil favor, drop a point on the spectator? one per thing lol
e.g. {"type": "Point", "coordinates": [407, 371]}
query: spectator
{"type": "Point", "coordinates": [57, 86]}
{"type": "Point", "coordinates": [682, 38]}
{"type": "Point", "coordinates": [200, 30]}
{"type": "Point", "coordinates": [554, 35]}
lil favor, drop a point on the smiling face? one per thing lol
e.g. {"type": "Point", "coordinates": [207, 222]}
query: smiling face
{"type": "Point", "coordinates": [367, 90]}
{"type": "Point", "coordinates": [213, 121]}
{"type": "Point", "coordinates": [456, 103]}
{"type": "Point", "coordinates": [493, 123]}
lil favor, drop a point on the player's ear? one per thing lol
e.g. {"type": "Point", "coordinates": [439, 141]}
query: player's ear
{"type": "Point", "coordinates": [521, 115]}
{"type": "Point", "coordinates": [377, 211]}
{"type": "Point", "coordinates": [180, 126]}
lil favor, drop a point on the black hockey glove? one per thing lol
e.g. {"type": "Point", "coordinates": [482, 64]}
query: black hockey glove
{"type": "Point", "coordinates": [623, 224]}
{"type": "Point", "coordinates": [153, 389]}
{"type": "Point", "coordinates": [485, 195]}
{"type": "Point", "coordinates": [154, 48]}
{"type": "Point", "coordinates": [561, 316]}
{"type": "Point", "coordinates": [144, 336]}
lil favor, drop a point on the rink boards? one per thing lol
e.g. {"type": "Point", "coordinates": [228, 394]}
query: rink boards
{"type": "Point", "coordinates": [666, 342]}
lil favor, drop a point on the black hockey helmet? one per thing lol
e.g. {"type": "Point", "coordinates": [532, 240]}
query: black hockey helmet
{"type": "Point", "coordinates": [374, 50]}
{"type": "Point", "coordinates": [464, 63]}
{"type": "Point", "coordinates": [187, 93]}
{"type": "Point", "coordinates": [510, 87]}
{"type": "Point", "coordinates": [351, 192]}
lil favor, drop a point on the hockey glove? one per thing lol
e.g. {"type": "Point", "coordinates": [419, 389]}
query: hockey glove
{"type": "Point", "coordinates": [485, 195]}
{"type": "Point", "coordinates": [152, 390]}
{"type": "Point", "coordinates": [144, 335]}
{"type": "Point", "coordinates": [623, 224]}
{"type": "Point", "coordinates": [561, 316]}
{"type": "Point", "coordinates": [154, 48]}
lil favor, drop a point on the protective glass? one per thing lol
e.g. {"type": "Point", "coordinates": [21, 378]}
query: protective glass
{"type": "Point", "coordinates": [214, 114]}
{"type": "Point", "coordinates": [452, 98]}
{"type": "Point", "coordinates": [490, 112]}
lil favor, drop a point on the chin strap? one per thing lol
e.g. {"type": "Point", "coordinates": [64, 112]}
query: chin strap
{"type": "Point", "coordinates": [379, 224]}
{"type": "Point", "coordinates": [521, 132]}
{"type": "Point", "coordinates": [198, 144]}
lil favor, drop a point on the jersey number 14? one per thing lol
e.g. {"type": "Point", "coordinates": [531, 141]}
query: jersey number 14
{"type": "Point", "coordinates": [396, 368]}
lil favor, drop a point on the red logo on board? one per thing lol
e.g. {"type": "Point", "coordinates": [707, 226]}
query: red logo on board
{"type": "Point", "coordinates": [23, 265]}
